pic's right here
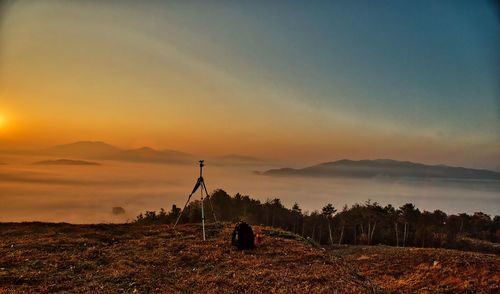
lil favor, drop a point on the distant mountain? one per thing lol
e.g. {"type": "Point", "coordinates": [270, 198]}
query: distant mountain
{"type": "Point", "coordinates": [104, 151]}
{"type": "Point", "coordinates": [83, 149]}
{"type": "Point", "coordinates": [147, 154]}
{"type": "Point", "coordinates": [66, 162]}
{"type": "Point", "coordinates": [384, 168]}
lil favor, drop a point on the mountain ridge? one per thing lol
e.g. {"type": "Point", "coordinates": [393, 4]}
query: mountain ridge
{"type": "Point", "coordinates": [148, 154]}
{"type": "Point", "coordinates": [104, 151]}
{"type": "Point", "coordinates": [64, 161]}
{"type": "Point", "coordinates": [384, 168]}
{"type": "Point", "coordinates": [98, 150]}
{"type": "Point", "coordinates": [84, 149]}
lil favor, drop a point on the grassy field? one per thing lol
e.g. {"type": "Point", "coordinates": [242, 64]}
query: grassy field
{"type": "Point", "coordinates": [43, 258]}
{"type": "Point", "coordinates": [425, 270]}
{"type": "Point", "coordinates": [38, 257]}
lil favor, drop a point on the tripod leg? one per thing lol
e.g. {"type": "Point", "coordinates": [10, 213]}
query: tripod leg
{"type": "Point", "coordinates": [202, 218]}
{"type": "Point", "coordinates": [202, 210]}
{"type": "Point", "coordinates": [210, 201]}
{"type": "Point", "coordinates": [180, 214]}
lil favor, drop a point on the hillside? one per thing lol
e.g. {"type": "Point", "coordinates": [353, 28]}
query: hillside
{"type": "Point", "coordinates": [38, 257]}
{"type": "Point", "coordinates": [424, 270]}
{"type": "Point", "coordinates": [43, 258]}
{"type": "Point", "coordinates": [385, 168]}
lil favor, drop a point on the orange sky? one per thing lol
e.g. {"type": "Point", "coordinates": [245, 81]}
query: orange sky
{"type": "Point", "coordinates": [90, 72]}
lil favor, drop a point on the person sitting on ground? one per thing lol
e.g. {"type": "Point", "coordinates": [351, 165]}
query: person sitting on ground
{"type": "Point", "coordinates": [243, 237]}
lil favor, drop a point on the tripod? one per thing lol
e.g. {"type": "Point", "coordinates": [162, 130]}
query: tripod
{"type": "Point", "coordinates": [199, 183]}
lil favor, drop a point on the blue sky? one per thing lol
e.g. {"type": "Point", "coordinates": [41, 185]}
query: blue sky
{"type": "Point", "coordinates": [423, 64]}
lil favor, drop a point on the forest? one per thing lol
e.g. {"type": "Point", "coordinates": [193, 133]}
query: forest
{"type": "Point", "coordinates": [368, 223]}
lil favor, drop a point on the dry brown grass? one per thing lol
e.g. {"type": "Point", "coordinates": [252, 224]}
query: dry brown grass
{"type": "Point", "coordinates": [425, 270]}
{"type": "Point", "coordinates": [43, 258]}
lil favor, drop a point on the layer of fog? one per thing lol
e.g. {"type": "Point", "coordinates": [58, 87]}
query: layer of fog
{"type": "Point", "coordinates": [87, 194]}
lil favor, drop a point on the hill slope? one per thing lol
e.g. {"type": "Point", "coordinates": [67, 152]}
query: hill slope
{"type": "Point", "coordinates": [425, 270]}
{"type": "Point", "coordinates": [43, 258]}
{"type": "Point", "coordinates": [385, 168]}
{"type": "Point", "coordinates": [38, 257]}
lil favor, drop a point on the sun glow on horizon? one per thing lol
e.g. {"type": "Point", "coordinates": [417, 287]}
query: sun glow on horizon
{"type": "Point", "coordinates": [3, 120]}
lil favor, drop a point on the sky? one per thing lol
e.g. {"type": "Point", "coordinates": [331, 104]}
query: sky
{"type": "Point", "coordinates": [300, 81]}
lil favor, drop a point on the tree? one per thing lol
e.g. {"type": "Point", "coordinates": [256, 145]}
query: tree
{"type": "Point", "coordinates": [174, 213]}
{"type": "Point", "coordinates": [480, 223]}
{"type": "Point", "coordinates": [296, 212]}
{"type": "Point", "coordinates": [343, 218]}
{"type": "Point", "coordinates": [495, 229]}
{"type": "Point", "coordinates": [277, 208]}
{"type": "Point", "coordinates": [372, 212]}
{"type": "Point", "coordinates": [366, 223]}
{"type": "Point", "coordinates": [328, 212]}
{"type": "Point", "coordinates": [394, 216]}
{"type": "Point", "coordinates": [409, 215]}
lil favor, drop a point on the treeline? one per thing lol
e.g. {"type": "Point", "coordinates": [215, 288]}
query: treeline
{"type": "Point", "coordinates": [367, 223]}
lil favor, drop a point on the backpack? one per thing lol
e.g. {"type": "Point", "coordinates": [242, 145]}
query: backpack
{"type": "Point", "coordinates": [243, 236]}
